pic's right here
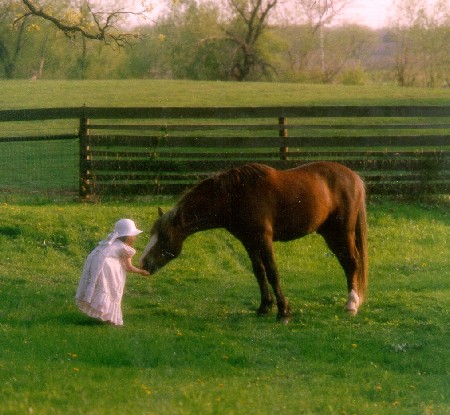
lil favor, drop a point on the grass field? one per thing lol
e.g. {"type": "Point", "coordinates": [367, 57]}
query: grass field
{"type": "Point", "coordinates": [192, 342]}
{"type": "Point", "coordinates": [147, 93]}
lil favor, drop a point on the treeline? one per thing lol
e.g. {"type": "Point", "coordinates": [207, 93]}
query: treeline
{"type": "Point", "coordinates": [196, 42]}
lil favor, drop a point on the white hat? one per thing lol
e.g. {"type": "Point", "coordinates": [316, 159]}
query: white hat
{"type": "Point", "coordinates": [123, 227]}
{"type": "Point", "coordinates": [126, 227]}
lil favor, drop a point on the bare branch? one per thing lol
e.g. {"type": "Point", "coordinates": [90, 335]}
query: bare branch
{"type": "Point", "coordinates": [102, 29]}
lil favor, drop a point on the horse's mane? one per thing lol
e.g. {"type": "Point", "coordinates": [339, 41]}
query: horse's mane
{"type": "Point", "coordinates": [229, 182]}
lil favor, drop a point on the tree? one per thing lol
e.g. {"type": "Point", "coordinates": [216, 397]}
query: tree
{"type": "Point", "coordinates": [316, 14]}
{"type": "Point", "coordinates": [182, 44]}
{"type": "Point", "coordinates": [421, 33]}
{"type": "Point", "coordinates": [11, 43]}
{"type": "Point", "coordinates": [346, 48]}
{"type": "Point", "coordinates": [85, 19]}
{"type": "Point", "coordinates": [249, 23]}
{"type": "Point", "coordinates": [22, 23]}
{"type": "Point", "coordinates": [206, 40]}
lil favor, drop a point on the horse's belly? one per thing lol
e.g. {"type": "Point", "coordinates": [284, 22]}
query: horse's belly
{"type": "Point", "coordinates": [293, 221]}
{"type": "Point", "coordinates": [289, 230]}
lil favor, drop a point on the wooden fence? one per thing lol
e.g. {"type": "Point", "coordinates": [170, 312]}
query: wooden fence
{"type": "Point", "coordinates": [397, 150]}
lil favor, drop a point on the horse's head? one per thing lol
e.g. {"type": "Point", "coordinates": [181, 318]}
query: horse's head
{"type": "Point", "coordinates": [165, 242]}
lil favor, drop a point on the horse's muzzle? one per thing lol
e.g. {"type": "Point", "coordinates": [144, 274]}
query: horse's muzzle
{"type": "Point", "coordinates": [148, 265]}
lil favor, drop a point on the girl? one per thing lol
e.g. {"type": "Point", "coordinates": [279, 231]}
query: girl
{"type": "Point", "coordinates": [100, 290]}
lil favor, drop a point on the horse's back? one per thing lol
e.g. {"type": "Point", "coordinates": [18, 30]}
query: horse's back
{"type": "Point", "coordinates": [327, 170]}
{"type": "Point", "coordinates": [320, 180]}
{"type": "Point", "coordinates": [296, 202]}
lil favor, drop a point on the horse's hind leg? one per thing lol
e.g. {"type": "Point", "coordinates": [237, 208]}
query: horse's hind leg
{"type": "Point", "coordinates": [342, 243]}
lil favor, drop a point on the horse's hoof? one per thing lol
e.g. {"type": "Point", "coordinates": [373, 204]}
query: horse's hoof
{"type": "Point", "coordinates": [352, 304]}
{"type": "Point", "coordinates": [263, 311]}
{"type": "Point", "coordinates": [285, 319]}
{"type": "Point", "coordinates": [351, 312]}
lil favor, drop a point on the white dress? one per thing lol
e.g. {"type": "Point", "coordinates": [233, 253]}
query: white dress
{"type": "Point", "coordinates": [100, 290]}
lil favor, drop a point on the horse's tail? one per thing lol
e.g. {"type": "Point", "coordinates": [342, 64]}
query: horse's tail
{"type": "Point", "coordinates": [361, 245]}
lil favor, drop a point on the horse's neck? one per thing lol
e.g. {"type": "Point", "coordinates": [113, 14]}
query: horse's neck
{"type": "Point", "coordinates": [200, 214]}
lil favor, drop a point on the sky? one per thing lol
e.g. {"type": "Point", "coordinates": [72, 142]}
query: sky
{"type": "Point", "coordinates": [372, 13]}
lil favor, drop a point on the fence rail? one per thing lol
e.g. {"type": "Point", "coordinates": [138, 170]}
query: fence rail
{"type": "Point", "coordinates": [397, 149]}
{"type": "Point", "coordinates": [39, 114]}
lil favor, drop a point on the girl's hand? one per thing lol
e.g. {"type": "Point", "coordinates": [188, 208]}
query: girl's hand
{"type": "Point", "coordinates": [129, 267]}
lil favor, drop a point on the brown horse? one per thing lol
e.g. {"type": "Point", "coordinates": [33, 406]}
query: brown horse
{"type": "Point", "coordinates": [258, 205]}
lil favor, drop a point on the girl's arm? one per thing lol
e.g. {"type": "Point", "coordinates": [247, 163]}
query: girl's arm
{"type": "Point", "coordinates": [129, 267]}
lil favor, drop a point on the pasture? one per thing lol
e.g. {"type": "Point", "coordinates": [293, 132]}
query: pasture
{"type": "Point", "coordinates": [149, 93]}
{"type": "Point", "coordinates": [192, 342]}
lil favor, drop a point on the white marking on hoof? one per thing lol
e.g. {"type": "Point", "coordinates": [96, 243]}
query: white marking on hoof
{"type": "Point", "coordinates": [352, 303]}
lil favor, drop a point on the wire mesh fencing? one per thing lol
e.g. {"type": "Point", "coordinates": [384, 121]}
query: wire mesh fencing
{"type": "Point", "coordinates": [39, 158]}
{"type": "Point", "coordinates": [42, 168]}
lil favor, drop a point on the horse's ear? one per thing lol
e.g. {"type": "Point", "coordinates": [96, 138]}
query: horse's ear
{"type": "Point", "coordinates": [160, 212]}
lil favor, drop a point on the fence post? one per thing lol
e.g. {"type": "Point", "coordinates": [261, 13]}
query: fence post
{"type": "Point", "coordinates": [85, 182]}
{"type": "Point", "coordinates": [283, 132]}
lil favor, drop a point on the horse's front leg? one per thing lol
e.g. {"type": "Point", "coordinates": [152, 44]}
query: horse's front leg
{"type": "Point", "coordinates": [260, 274]}
{"type": "Point", "coordinates": [284, 312]}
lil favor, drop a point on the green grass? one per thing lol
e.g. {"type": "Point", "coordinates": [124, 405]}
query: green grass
{"type": "Point", "coordinates": [192, 342]}
{"type": "Point", "coordinates": [148, 93]}
{"type": "Point", "coordinates": [41, 94]}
